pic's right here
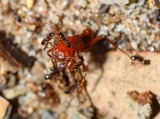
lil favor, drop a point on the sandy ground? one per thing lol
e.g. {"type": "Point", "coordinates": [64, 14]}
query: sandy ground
{"type": "Point", "coordinates": [125, 89]}
{"type": "Point", "coordinates": [120, 76]}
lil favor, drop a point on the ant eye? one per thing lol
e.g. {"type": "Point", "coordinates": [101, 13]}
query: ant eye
{"type": "Point", "coordinates": [68, 45]}
{"type": "Point", "coordinates": [47, 76]}
{"type": "Point", "coordinates": [43, 42]}
{"type": "Point", "coordinates": [51, 34]}
{"type": "Point", "coordinates": [133, 57]}
{"type": "Point", "coordinates": [61, 35]}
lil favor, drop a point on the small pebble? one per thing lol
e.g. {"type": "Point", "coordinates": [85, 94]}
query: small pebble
{"type": "Point", "coordinates": [4, 104]}
{"type": "Point", "coordinates": [46, 114]}
{"type": "Point", "coordinates": [29, 4]}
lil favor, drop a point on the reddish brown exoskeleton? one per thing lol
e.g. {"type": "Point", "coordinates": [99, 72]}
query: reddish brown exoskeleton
{"type": "Point", "coordinates": [65, 51]}
{"type": "Point", "coordinates": [66, 55]}
{"type": "Point", "coordinates": [68, 48]}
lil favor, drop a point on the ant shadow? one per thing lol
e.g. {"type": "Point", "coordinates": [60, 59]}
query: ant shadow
{"type": "Point", "coordinates": [155, 107]}
{"type": "Point", "coordinates": [98, 57]}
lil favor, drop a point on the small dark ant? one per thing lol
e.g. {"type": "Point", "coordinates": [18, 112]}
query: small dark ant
{"type": "Point", "coordinates": [140, 59]}
{"type": "Point", "coordinates": [17, 18]}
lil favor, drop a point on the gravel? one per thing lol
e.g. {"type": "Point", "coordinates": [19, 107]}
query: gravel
{"type": "Point", "coordinates": [134, 26]}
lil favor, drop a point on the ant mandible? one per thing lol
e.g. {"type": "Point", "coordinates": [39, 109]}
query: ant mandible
{"type": "Point", "coordinates": [67, 49]}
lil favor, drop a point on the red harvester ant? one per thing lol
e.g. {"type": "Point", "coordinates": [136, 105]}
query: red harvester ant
{"type": "Point", "coordinates": [67, 50]}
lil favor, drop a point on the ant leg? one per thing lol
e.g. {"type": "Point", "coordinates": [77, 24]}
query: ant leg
{"type": "Point", "coordinates": [46, 45]}
{"type": "Point", "coordinates": [111, 42]}
{"type": "Point", "coordinates": [76, 63]}
{"type": "Point", "coordinates": [84, 67]}
{"type": "Point", "coordinates": [82, 62]}
{"type": "Point", "coordinates": [133, 58]}
{"type": "Point", "coordinates": [53, 59]}
{"type": "Point", "coordinates": [54, 69]}
{"type": "Point", "coordinates": [66, 78]}
{"type": "Point", "coordinates": [71, 65]}
{"type": "Point", "coordinates": [81, 85]}
{"type": "Point", "coordinates": [21, 22]}
{"type": "Point", "coordinates": [70, 88]}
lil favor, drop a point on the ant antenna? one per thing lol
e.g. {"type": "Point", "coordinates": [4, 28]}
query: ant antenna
{"type": "Point", "coordinates": [114, 45]}
{"type": "Point", "coordinates": [133, 57]}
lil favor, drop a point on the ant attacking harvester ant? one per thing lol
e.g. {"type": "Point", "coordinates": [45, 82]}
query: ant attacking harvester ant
{"type": "Point", "coordinates": [65, 53]}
